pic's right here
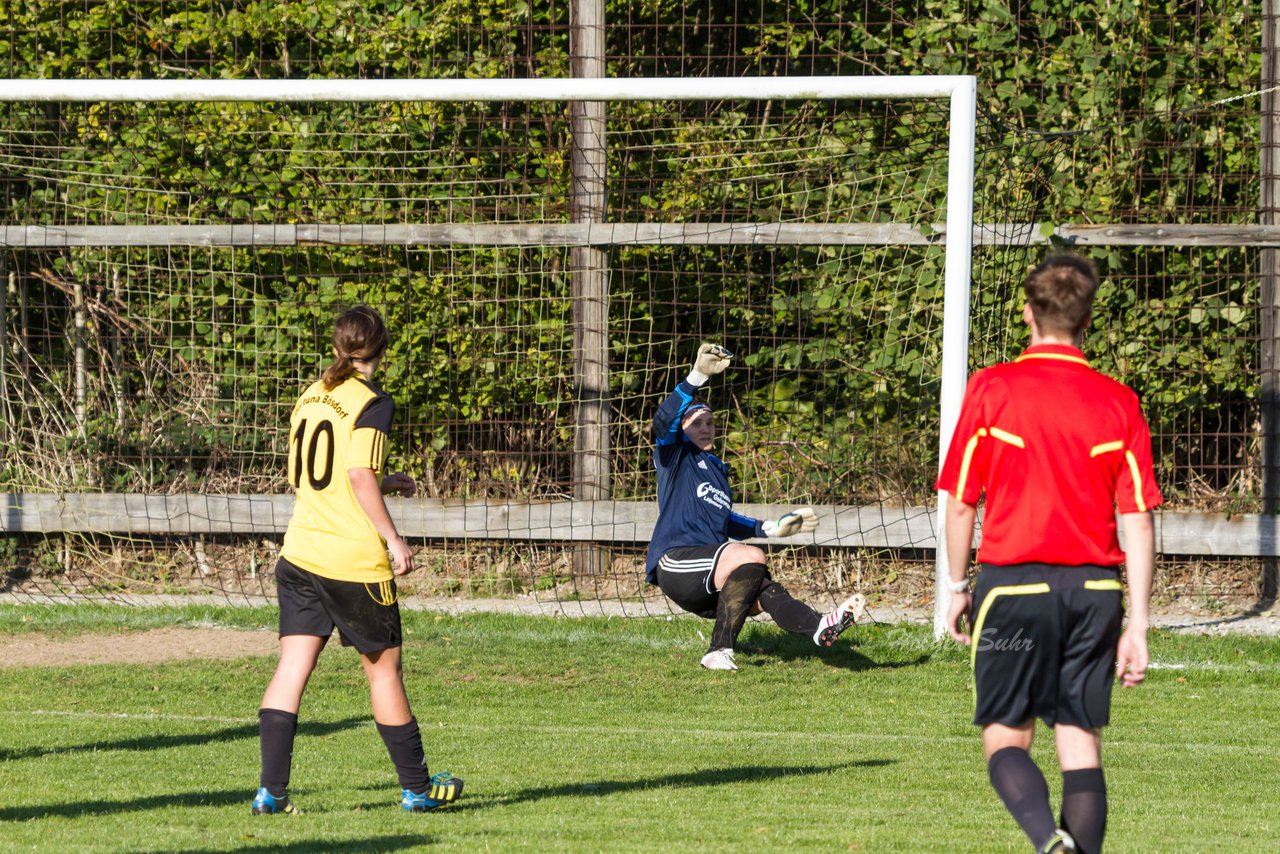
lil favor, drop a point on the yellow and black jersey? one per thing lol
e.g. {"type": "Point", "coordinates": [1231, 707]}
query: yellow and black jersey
{"type": "Point", "coordinates": [330, 432]}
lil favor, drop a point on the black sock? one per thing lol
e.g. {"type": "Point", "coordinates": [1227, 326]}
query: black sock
{"type": "Point", "coordinates": [1024, 791]}
{"type": "Point", "coordinates": [790, 614]}
{"type": "Point", "coordinates": [734, 605]}
{"type": "Point", "coordinates": [276, 730]}
{"type": "Point", "coordinates": [404, 743]}
{"type": "Point", "coordinates": [1084, 808]}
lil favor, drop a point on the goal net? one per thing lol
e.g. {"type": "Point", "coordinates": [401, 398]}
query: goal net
{"type": "Point", "coordinates": [548, 254]}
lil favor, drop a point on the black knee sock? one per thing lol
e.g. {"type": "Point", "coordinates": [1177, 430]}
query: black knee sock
{"type": "Point", "coordinates": [1024, 791]}
{"type": "Point", "coordinates": [790, 614]}
{"type": "Point", "coordinates": [276, 730]}
{"type": "Point", "coordinates": [1084, 808]}
{"type": "Point", "coordinates": [404, 743]}
{"type": "Point", "coordinates": [734, 605]}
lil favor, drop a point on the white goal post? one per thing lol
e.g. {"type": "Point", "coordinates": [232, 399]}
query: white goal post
{"type": "Point", "coordinates": [956, 232]}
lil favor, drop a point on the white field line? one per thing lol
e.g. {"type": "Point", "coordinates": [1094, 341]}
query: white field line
{"type": "Point", "coordinates": [691, 732]}
{"type": "Point", "coordinates": [1216, 666]}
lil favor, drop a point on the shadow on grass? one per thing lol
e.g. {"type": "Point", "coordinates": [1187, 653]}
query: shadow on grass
{"type": "Point", "coordinates": [1263, 607]}
{"type": "Point", "coordinates": [164, 741]}
{"type": "Point", "coordinates": [705, 777]}
{"type": "Point", "coordinates": [777, 644]}
{"type": "Point", "coordinates": [154, 802]}
{"type": "Point", "coordinates": [366, 844]}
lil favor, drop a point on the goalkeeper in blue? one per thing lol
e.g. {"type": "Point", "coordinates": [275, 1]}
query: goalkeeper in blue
{"type": "Point", "coordinates": [693, 557]}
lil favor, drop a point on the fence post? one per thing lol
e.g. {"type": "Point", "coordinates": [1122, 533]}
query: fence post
{"type": "Point", "coordinates": [588, 267]}
{"type": "Point", "coordinates": [1269, 291]}
{"type": "Point", "coordinates": [80, 358]}
{"type": "Point", "coordinates": [6, 422]}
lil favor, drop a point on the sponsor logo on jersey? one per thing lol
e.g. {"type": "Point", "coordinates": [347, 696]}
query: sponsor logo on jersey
{"type": "Point", "coordinates": [713, 496]}
{"type": "Point", "coordinates": [702, 464]}
{"type": "Point", "coordinates": [328, 400]}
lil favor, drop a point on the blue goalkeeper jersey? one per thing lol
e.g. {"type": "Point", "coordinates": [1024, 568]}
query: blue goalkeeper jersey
{"type": "Point", "coordinates": [695, 501]}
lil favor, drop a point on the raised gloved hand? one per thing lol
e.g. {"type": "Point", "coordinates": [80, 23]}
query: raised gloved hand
{"type": "Point", "coordinates": [802, 519]}
{"type": "Point", "coordinates": [712, 359]}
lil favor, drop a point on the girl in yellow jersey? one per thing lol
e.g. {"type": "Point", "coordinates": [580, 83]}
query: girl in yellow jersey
{"type": "Point", "coordinates": [334, 570]}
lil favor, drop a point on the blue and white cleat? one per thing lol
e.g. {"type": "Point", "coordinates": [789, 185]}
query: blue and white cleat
{"type": "Point", "coordinates": [264, 803]}
{"type": "Point", "coordinates": [445, 789]}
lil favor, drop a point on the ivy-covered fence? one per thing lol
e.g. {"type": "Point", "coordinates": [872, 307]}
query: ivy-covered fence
{"type": "Point", "coordinates": [169, 369]}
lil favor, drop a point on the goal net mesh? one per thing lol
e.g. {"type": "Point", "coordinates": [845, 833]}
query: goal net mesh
{"type": "Point", "coordinates": [172, 270]}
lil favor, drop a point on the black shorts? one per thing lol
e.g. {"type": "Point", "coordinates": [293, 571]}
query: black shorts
{"type": "Point", "coordinates": [1044, 644]}
{"type": "Point", "coordinates": [367, 616]}
{"type": "Point", "coordinates": [687, 574]}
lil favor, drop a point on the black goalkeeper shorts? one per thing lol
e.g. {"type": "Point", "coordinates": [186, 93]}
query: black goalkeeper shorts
{"type": "Point", "coordinates": [1044, 644]}
{"type": "Point", "coordinates": [367, 616]}
{"type": "Point", "coordinates": [687, 574]}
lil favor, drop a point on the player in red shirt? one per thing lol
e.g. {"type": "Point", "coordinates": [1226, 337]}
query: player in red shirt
{"type": "Point", "coordinates": [1055, 449]}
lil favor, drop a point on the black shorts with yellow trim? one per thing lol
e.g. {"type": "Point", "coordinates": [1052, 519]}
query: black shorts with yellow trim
{"type": "Point", "coordinates": [1044, 644]}
{"type": "Point", "coordinates": [367, 616]}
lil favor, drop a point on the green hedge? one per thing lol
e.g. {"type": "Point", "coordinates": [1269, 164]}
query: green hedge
{"type": "Point", "coordinates": [1090, 112]}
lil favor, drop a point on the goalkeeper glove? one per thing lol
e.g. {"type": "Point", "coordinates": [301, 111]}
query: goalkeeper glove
{"type": "Point", "coordinates": [795, 522]}
{"type": "Point", "coordinates": [712, 359]}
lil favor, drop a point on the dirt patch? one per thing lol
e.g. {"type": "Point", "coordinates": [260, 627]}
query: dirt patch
{"type": "Point", "coordinates": [150, 647]}
{"type": "Point", "coordinates": [175, 644]}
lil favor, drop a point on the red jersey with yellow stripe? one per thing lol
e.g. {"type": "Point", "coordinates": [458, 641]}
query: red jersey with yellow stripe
{"type": "Point", "coordinates": [1056, 448]}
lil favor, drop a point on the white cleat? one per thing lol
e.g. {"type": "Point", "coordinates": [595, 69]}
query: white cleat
{"type": "Point", "coordinates": [719, 659]}
{"type": "Point", "coordinates": [833, 624]}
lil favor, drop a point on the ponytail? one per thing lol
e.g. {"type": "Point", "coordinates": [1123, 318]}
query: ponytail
{"type": "Point", "coordinates": [337, 373]}
{"type": "Point", "coordinates": [358, 335]}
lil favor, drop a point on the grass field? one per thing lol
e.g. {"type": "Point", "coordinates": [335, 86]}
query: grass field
{"type": "Point", "coordinates": [595, 734]}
